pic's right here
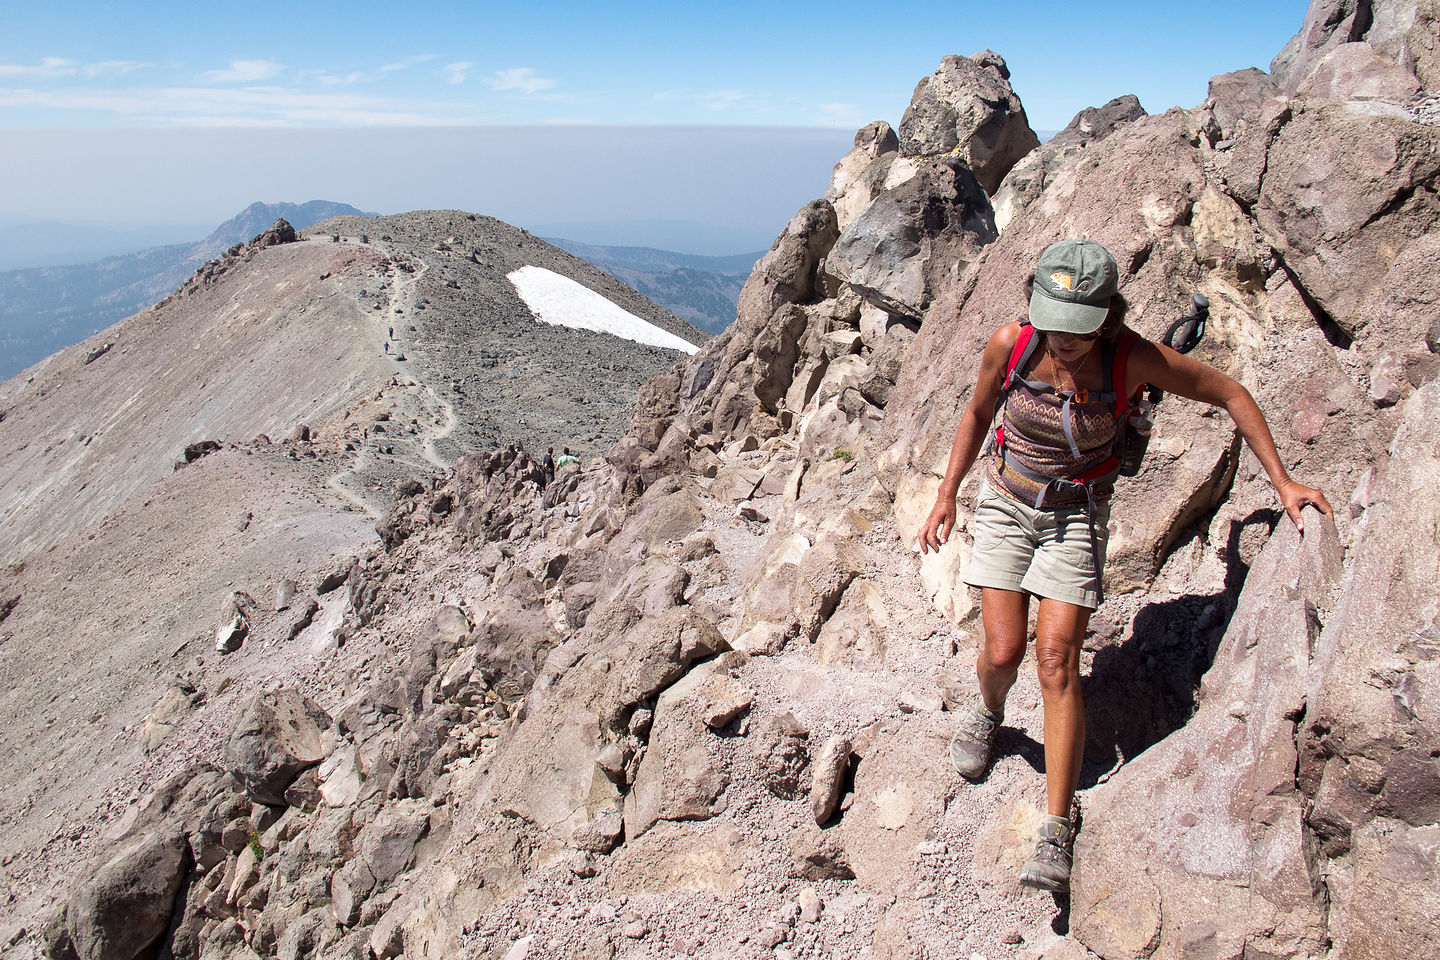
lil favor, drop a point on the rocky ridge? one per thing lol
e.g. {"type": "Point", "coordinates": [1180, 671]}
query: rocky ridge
{"type": "Point", "coordinates": [693, 700]}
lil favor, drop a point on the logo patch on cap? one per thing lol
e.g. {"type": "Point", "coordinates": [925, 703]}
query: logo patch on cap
{"type": "Point", "coordinates": [1062, 281]}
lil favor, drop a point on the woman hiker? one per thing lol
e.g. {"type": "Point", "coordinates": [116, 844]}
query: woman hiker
{"type": "Point", "coordinates": [1040, 522]}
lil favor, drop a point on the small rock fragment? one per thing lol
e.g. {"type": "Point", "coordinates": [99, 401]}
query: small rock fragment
{"type": "Point", "coordinates": [810, 905]}
{"type": "Point", "coordinates": [829, 778]}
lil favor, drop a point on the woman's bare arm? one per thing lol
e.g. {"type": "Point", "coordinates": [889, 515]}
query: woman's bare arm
{"type": "Point", "coordinates": [1176, 373]}
{"type": "Point", "coordinates": [969, 436]}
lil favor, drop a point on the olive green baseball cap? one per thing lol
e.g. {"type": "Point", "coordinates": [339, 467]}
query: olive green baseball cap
{"type": "Point", "coordinates": [1074, 282]}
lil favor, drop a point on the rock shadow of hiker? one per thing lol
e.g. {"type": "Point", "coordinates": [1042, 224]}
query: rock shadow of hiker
{"type": "Point", "coordinates": [1014, 742]}
{"type": "Point", "coordinates": [1139, 692]}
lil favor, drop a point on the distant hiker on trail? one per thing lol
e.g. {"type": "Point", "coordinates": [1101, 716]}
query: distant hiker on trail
{"type": "Point", "coordinates": [566, 459]}
{"type": "Point", "coordinates": [548, 464]}
{"type": "Point", "coordinates": [1040, 521]}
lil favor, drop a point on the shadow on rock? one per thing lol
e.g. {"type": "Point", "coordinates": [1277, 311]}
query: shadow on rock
{"type": "Point", "coordinates": [1012, 742]}
{"type": "Point", "coordinates": [1139, 692]}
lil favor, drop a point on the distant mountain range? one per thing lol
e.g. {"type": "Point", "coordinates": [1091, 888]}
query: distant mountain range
{"type": "Point", "coordinates": [702, 290]}
{"type": "Point", "coordinates": [26, 243]}
{"type": "Point", "coordinates": [43, 309]}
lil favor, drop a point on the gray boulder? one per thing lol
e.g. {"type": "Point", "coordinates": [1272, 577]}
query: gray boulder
{"type": "Point", "coordinates": [858, 177]}
{"type": "Point", "coordinates": [912, 239]}
{"type": "Point", "coordinates": [682, 776]}
{"type": "Point", "coordinates": [967, 107]}
{"type": "Point", "coordinates": [126, 905]}
{"type": "Point", "coordinates": [277, 736]}
{"type": "Point", "coordinates": [387, 844]}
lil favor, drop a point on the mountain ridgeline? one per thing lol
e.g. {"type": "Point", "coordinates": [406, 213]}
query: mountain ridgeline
{"type": "Point", "coordinates": [350, 681]}
{"type": "Point", "coordinates": [43, 309]}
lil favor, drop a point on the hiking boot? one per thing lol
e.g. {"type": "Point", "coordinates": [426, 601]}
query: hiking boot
{"type": "Point", "coordinates": [970, 747]}
{"type": "Point", "coordinates": [1049, 869]}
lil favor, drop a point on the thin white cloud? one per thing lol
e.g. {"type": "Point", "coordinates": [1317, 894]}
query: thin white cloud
{"type": "Point", "coordinates": [713, 100]}
{"type": "Point", "coordinates": [725, 99]}
{"type": "Point", "coordinates": [254, 106]}
{"type": "Point", "coordinates": [245, 71]}
{"type": "Point", "coordinates": [107, 68]}
{"type": "Point", "coordinates": [458, 72]}
{"type": "Point", "coordinates": [407, 62]}
{"type": "Point", "coordinates": [521, 79]}
{"type": "Point", "coordinates": [335, 80]}
{"type": "Point", "coordinates": [62, 67]}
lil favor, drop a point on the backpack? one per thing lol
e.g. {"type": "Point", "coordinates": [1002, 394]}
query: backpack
{"type": "Point", "coordinates": [1132, 424]}
{"type": "Point", "coordinates": [1134, 414]}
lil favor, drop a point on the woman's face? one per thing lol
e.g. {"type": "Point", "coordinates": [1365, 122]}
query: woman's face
{"type": "Point", "coordinates": [1070, 348]}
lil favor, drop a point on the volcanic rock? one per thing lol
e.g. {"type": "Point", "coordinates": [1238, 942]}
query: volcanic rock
{"type": "Point", "coordinates": [967, 107]}
{"type": "Point", "coordinates": [277, 736]}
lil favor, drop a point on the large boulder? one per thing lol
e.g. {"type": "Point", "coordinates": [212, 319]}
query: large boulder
{"type": "Point", "coordinates": [914, 238]}
{"type": "Point", "coordinates": [857, 177]}
{"type": "Point", "coordinates": [278, 736]}
{"type": "Point", "coordinates": [1369, 743]}
{"type": "Point", "coordinates": [1214, 811]}
{"type": "Point", "coordinates": [126, 905]}
{"type": "Point", "coordinates": [967, 108]}
{"type": "Point", "coordinates": [683, 775]}
{"type": "Point", "coordinates": [1404, 31]}
{"type": "Point", "coordinates": [1356, 73]}
{"type": "Point", "coordinates": [1028, 178]}
{"type": "Point", "coordinates": [1343, 195]}
{"type": "Point", "coordinates": [1237, 95]}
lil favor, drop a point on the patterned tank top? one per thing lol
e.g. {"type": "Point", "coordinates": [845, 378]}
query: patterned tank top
{"type": "Point", "coordinates": [1035, 436]}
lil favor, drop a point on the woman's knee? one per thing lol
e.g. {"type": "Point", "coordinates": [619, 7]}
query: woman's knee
{"type": "Point", "coordinates": [1057, 663]}
{"type": "Point", "coordinates": [1004, 653]}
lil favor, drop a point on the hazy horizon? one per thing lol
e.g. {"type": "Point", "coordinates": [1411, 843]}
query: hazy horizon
{"type": "Point", "coordinates": [167, 113]}
{"type": "Point", "coordinates": [742, 181]}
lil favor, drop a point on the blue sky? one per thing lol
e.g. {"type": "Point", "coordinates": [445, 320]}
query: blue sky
{"type": "Point", "coordinates": [88, 68]}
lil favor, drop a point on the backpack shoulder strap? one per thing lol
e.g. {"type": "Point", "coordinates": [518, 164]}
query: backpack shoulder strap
{"type": "Point", "coordinates": [1117, 358]}
{"type": "Point", "coordinates": [1020, 354]}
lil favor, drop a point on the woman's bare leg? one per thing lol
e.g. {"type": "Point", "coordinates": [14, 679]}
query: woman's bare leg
{"type": "Point", "coordinates": [1005, 614]}
{"type": "Point", "coordinates": [1059, 633]}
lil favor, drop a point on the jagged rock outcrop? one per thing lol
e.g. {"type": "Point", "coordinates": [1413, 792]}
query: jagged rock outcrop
{"type": "Point", "coordinates": [913, 239]}
{"type": "Point", "coordinates": [1233, 842]}
{"type": "Point", "coordinates": [1404, 32]}
{"type": "Point", "coordinates": [1039, 168]}
{"type": "Point", "coordinates": [696, 697]}
{"type": "Point", "coordinates": [967, 108]}
{"type": "Point", "coordinates": [274, 740]}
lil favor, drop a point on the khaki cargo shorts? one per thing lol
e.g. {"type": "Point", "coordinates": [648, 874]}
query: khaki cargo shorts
{"type": "Point", "coordinates": [1042, 552]}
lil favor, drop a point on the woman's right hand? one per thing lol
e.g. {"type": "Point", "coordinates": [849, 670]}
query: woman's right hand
{"type": "Point", "coordinates": [938, 525]}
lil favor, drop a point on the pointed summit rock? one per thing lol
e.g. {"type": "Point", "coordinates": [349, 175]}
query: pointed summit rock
{"type": "Point", "coordinates": [966, 107]}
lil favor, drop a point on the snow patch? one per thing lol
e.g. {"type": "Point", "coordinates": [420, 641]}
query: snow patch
{"type": "Point", "coordinates": [561, 302]}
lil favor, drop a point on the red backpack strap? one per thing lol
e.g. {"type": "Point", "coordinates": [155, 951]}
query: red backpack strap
{"type": "Point", "coordinates": [1025, 344]}
{"type": "Point", "coordinates": [1128, 339]}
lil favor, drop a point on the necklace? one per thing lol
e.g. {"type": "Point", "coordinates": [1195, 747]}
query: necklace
{"type": "Point", "coordinates": [1056, 370]}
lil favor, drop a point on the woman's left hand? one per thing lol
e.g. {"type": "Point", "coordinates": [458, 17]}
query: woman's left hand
{"type": "Point", "coordinates": [1294, 496]}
